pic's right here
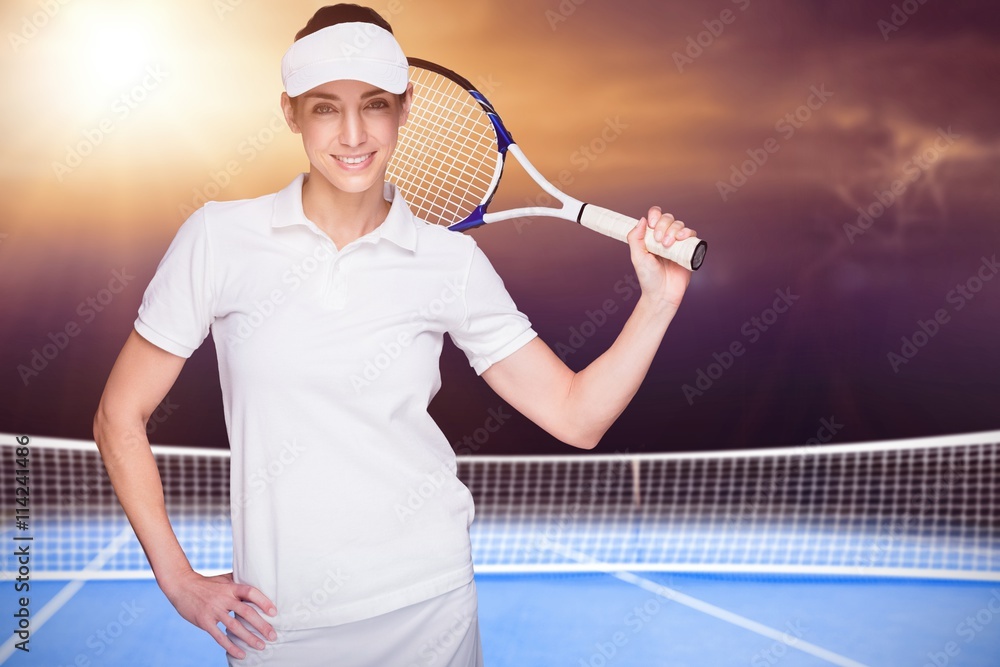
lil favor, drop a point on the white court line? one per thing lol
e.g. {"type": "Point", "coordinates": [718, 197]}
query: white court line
{"type": "Point", "coordinates": [736, 619]}
{"type": "Point", "coordinates": [712, 610]}
{"type": "Point", "coordinates": [67, 592]}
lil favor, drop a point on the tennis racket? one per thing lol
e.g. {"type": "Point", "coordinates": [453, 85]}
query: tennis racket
{"type": "Point", "coordinates": [451, 154]}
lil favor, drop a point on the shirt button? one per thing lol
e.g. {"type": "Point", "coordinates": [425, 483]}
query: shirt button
{"type": "Point", "coordinates": [338, 288]}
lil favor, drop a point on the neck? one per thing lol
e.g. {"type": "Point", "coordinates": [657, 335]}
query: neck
{"type": "Point", "coordinates": [343, 216]}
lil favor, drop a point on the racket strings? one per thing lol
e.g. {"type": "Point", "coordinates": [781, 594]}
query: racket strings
{"type": "Point", "coordinates": [432, 161]}
{"type": "Point", "coordinates": [453, 140]}
{"type": "Point", "coordinates": [442, 143]}
{"type": "Point", "coordinates": [446, 158]}
{"type": "Point", "coordinates": [450, 122]}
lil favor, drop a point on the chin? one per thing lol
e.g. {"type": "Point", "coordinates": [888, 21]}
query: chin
{"type": "Point", "coordinates": [354, 186]}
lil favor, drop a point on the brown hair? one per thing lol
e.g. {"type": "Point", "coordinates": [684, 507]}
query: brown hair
{"type": "Point", "coordinates": [342, 13]}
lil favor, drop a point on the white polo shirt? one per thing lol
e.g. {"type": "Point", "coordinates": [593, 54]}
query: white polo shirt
{"type": "Point", "coordinates": [345, 502]}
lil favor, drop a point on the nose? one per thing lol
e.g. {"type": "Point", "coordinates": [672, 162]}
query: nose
{"type": "Point", "coordinates": [352, 130]}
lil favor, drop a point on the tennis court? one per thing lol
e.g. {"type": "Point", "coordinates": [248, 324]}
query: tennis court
{"type": "Point", "coordinates": [864, 554]}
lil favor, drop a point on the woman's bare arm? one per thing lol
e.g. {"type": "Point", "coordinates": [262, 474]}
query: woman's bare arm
{"type": "Point", "coordinates": [579, 407]}
{"type": "Point", "coordinates": [139, 380]}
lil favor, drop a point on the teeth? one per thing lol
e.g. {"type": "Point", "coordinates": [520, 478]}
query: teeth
{"type": "Point", "coordinates": [353, 160]}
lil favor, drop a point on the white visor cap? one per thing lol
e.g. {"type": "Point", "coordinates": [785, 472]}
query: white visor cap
{"type": "Point", "coordinates": [357, 51]}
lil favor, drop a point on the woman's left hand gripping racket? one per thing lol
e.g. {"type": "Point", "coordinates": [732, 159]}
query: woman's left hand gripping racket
{"type": "Point", "coordinates": [451, 154]}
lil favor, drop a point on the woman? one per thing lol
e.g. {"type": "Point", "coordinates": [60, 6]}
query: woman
{"type": "Point", "coordinates": [328, 302]}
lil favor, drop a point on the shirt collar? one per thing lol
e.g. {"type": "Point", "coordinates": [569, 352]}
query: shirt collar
{"type": "Point", "coordinates": [399, 225]}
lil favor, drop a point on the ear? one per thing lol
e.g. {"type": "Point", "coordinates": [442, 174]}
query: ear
{"type": "Point", "coordinates": [407, 104]}
{"type": "Point", "coordinates": [289, 110]}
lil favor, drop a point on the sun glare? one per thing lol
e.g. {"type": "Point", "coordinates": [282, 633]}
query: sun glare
{"type": "Point", "coordinates": [110, 50]}
{"type": "Point", "coordinates": [87, 56]}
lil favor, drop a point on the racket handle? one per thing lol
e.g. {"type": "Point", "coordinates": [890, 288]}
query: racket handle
{"type": "Point", "coordinates": [689, 252]}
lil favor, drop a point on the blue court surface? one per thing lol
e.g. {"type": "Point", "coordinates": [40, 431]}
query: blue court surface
{"type": "Point", "coordinates": [592, 619]}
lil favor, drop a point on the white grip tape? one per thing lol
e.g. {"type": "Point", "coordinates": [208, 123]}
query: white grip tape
{"type": "Point", "coordinates": [618, 226]}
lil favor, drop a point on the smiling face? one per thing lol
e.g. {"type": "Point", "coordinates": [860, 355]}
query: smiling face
{"type": "Point", "coordinates": [349, 130]}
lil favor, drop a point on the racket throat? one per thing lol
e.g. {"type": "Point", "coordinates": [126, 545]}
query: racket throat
{"type": "Point", "coordinates": [475, 219]}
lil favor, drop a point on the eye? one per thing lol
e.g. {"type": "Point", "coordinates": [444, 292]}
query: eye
{"type": "Point", "coordinates": [378, 104]}
{"type": "Point", "coordinates": [323, 109]}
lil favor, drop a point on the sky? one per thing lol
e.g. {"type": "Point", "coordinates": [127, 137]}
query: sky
{"type": "Point", "coordinates": [841, 159]}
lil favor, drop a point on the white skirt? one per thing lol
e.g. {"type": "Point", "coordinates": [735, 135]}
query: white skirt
{"type": "Point", "coordinates": [440, 632]}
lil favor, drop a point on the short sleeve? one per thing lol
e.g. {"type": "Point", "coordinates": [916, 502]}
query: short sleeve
{"type": "Point", "coordinates": [493, 327]}
{"type": "Point", "coordinates": [177, 307]}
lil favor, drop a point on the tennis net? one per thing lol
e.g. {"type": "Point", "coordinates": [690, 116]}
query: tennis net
{"type": "Point", "coordinates": [923, 508]}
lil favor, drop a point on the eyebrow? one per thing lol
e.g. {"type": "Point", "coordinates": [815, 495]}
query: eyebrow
{"type": "Point", "coordinates": [329, 96]}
